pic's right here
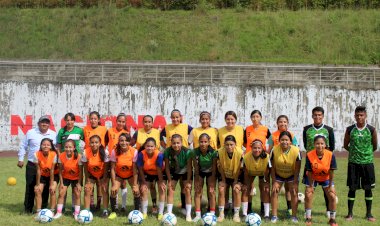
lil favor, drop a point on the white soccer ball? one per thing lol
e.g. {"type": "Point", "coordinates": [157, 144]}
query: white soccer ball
{"type": "Point", "coordinates": [45, 216]}
{"type": "Point", "coordinates": [169, 219]}
{"type": "Point", "coordinates": [253, 219]}
{"type": "Point", "coordinates": [208, 219]}
{"type": "Point", "coordinates": [301, 197]}
{"type": "Point", "coordinates": [85, 217]}
{"type": "Point", "coordinates": [135, 217]}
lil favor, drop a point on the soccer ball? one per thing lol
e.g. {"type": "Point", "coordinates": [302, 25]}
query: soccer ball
{"type": "Point", "coordinates": [253, 219]}
{"type": "Point", "coordinates": [85, 217]}
{"type": "Point", "coordinates": [135, 217]}
{"type": "Point", "coordinates": [45, 216]}
{"type": "Point", "coordinates": [301, 197]}
{"type": "Point", "coordinates": [208, 219]}
{"type": "Point", "coordinates": [11, 181]}
{"type": "Point", "coordinates": [169, 219]}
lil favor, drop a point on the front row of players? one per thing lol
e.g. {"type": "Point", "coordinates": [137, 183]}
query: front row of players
{"type": "Point", "coordinates": [176, 164]}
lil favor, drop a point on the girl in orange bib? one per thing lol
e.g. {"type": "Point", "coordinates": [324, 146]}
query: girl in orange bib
{"type": "Point", "coordinates": [70, 173]}
{"type": "Point", "coordinates": [45, 160]}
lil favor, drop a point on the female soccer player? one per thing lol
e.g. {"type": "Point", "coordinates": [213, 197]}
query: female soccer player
{"type": "Point", "coordinates": [204, 168]}
{"type": "Point", "coordinates": [150, 165]}
{"type": "Point", "coordinates": [69, 132]}
{"type": "Point", "coordinates": [229, 164]}
{"type": "Point", "coordinates": [45, 160]}
{"type": "Point", "coordinates": [70, 173]}
{"type": "Point", "coordinates": [178, 167]}
{"type": "Point", "coordinates": [320, 164]}
{"type": "Point", "coordinates": [257, 164]}
{"type": "Point", "coordinates": [204, 119]}
{"type": "Point", "coordinates": [123, 167]}
{"type": "Point", "coordinates": [286, 164]}
{"type": "Point", "coordinates": [94, 160]}
{"type": "Point", "coordinates": [231, 129]}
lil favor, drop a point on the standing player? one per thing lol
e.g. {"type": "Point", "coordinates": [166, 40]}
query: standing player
{"type": "Point", "coordinates": [231, 129]}
{"type": "Point", "coordinates": [205, 120]}
{"type": "Point", "coordinates": [360, 140]}
{"type": "Point", "coordinates": [309, 133]}
{"type": "Point", "coordinates": [69, 132]}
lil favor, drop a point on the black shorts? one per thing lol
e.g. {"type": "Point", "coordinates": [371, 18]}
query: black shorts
{"type": "Point", "coordinates": [178, 177]}
{"type": "Point", "coordinates": [205, 175]}
{"type": "Point", "coordinates": [122, 178]}
{"type": "Point", "coordinates": [68, 182]}
{"type": "Point", "coordinates": [46, 180]}
{"type": "Point", "coordinates": [230, 181]}
{"type": "Point", "coordinates": [90, 176]}
{"type": "Point", "coordinates": [151, 178]}
{"type": "Point", "coordinates": [360, 176]}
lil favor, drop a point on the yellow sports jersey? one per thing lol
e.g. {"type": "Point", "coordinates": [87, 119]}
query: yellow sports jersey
{"type": "Point", "coordinates": [237, 132]}
{"type": "Point", "coordinates": [212, 132]}
{"type": "Point", "coordinates": [285, 162]}
{"type": "Point", "coordinates": [181, 129]}
{"type": "Point", "coordinates": [231, 166]}
{"type": "Point", "coordinates": [256, 167]}
{"type": "Point", "coordinates": [142, 136]}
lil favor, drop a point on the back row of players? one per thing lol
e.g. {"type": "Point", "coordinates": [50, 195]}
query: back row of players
{"type": "Point", "coordinates": [217, 155]}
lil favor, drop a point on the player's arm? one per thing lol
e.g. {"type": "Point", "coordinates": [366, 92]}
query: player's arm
{"type": "Point", "coordinates": [304, 137]}
{"type": "Point", "coordinates": [374, 140]}
{"type": "Point", "coordinates": [298, 168]}
{"type": "Point", "coordinates": [346, 140]}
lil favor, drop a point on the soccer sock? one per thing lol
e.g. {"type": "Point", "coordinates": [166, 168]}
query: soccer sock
{"type": "Point", "coordinates": [117, 201]}
{"type": "Point", "coordinates": [59, 208]}
{"type": "Point", "coordinates": [261, 207]}
{"type": "Point", "coordinates": [136, 203]}
{"type": "Point", "coordinates": [266, 209]}
{"type": "Point", "coordinates": [368, 201]}
{"type": "Point", "coordinates": [183, 201]}
{"type": "Point", "coordinates": [326, 201]}
{"type": "Point", "coordinates": [212, 211]}
{"type": "Point", "coordinates": [221, 210]}
{"type": "Point", "coordinates": [289, 204]}
{"type": "Point", "coordinates": [332, 214]}
{"type": "Point", "coordinates": [92, 201]}
{"type": "Point", "coordinates": [113, 203]}
{"type": "Point", "coordinates": [350, 201]}
{"type": "Point", "coordinates": [249, 207]}
{"type": "Point", "coordinates": [98, 202]}
{"type": "Point", "coordinates": [198, 213]}
{"type": "Point", "coordinates": [169, 208]}
{"type": "Point", "coordinates": [76, 209]}
{"type": "Point", "coordinates": [161, 206]}
{"type": "Point", "coordinates": [244, 206]}
{"type": "Point", "coordinates": [188, 209]}
{"type": "Point", "coordinates": [144, 206]}
{"type": "Point", "coordinates": [308, 213]}
{"type": "Point", "coordinates": [124, 197]}
{"type": "Point", "coordinates": [154, 202]}
{"type": "Point", "coordinates": [236, 210]}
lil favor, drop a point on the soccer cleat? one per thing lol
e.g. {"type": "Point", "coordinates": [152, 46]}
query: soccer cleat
{"type": "Point", "coordinates": [122, 210]}
{"type": "Point", "coordinates": [57, 215]}
{"type": "Point", "coordinates": [266, 218]}
{"type": "Point", "coordinates": [236, 218]}
{"type": "Point", "coordinates": [289, 213]}
{"type": "Point", "coordinates": [145, 216]}
{"type": "Point", "coordinates": [105, 214]}
{"type": "Point", "coordinates": [221, 218]}
{"type": "Point", "coordinates": [160, 216]}
{"type": "Point", "coordinates": [112, 216]}
{"type": "Point", "coordinates": [274, 219]}
{"type": "Point", "coordinates": [294, 219]}
{"type": "Point", "coordinates": [332, 222]}
{"type": "Point", "coordinates": [371, 218]}
{"type": "Point", "coordinates": [189, 219]}
{"type": "Point", "coordinates": [76, 216]}
{"type": "Point", "coordinates": [308, 221]}
{"type": "Point", "coordinates": [196, 219]}
{"type": "Point", "coordinates": [348, 217]}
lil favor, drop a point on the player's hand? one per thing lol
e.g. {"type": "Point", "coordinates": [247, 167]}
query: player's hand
{"type": "Point", "coordinates": [20, 164]}
{"type": "Point", "coordinates": [135, 189]}
{"type": "Point", "coordinates": [79, 187]}
{"type": "Point", "coordinates": [162, 185]}
{"type": "Point", "coordinates": [143, 187]}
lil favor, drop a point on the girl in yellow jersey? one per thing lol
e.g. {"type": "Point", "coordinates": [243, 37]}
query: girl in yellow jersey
{"type": "Point", "coordinates": [286, 164]}
{"type": "Point", "coordinates": [231, 129]}
{"type": "Point", "coordinates": [257, 164]}
{"type": "Point", "coordinates": [113, 138]}
{"type": "Point", "coordinates": [230, 158]}
{"type": "Point", "coordinates": [204, 119]}
{"type": "Point", "coordinates": [183, 129]}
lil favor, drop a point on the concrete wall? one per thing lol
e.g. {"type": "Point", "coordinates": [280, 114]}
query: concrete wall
{"type": "Point", "coordinates": [23, 103]}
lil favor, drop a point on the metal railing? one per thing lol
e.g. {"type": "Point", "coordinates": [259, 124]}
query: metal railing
{"type": "Point", "coordinates": [191, 73]}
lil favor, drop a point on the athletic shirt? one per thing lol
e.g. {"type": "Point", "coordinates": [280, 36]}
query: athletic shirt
{"type": "Point", "coordinates": [205, 162]}
{"type": "Point", "coordinates": [182, 129]}
{"type": "Point", "coordinates": [256, 167]}
{"type": "Point", "coordinates": [95, 165]}
{"type": "Point", "coordinates": [178, 161]}
{"type": "Point", "coordinates": [89, 132]}
{"type": "Point", "coordinates": [70, 166]}
{"type": "Point", "coordinates": [113, 138]}
{"type": "Point", "coordinates": [285, 162]}
{"type": "Point", "coordinates": [360, 147]}
{"type": "Point", "coordinates": [320, 167]}
{"type": "Point", "coordinates": [237, 132]}
{"type": "Point", "coordinates": [274, 139]}
{"type": "Point", "coordinates": [75, 134]}
{"type": "Point", "coordinates": [150, 164]}
{"type": "Point", "coordinates": [124, 162]}
{"type": "Point", "coordinates": [311, 131]}
{"type": "Point", "coordinates": [261, 133]}
{"type": "Point", "coordinates": [45, 162]}
{"type": "Point", "coordinates": [140, 137]}
{"type": "Point", "coordinates": [230, 166]}
{"type": "Point", "coordinates": [212, 132]}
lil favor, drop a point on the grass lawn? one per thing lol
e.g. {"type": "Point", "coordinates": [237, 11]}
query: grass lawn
{"type": "Point", "coordinates": [11, 204]}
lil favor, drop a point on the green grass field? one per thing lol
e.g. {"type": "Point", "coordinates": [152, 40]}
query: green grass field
{"type": "Point", "coordinates": [110, 34]}
{"type": "Point", "coordinates": [11, 204]}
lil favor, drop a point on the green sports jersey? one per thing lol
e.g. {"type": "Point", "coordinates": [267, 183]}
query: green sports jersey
{"type": "Point", "coordinates": [75, 134]}
{"type": "Point", "coordinates": [311, 132]}
{"type": "Point", "coordinates": [205, 161]}
{"type": "Point", "coordinates": [360, 147]}
{"type": "Point", "coordinates": [178, 161]}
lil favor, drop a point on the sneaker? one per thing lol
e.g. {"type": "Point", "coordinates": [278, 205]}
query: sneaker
{"type": "Point", "coordinates": [371, 218]}
{"type": "Point", "coordinates": [145, 216]}
{"type": "Point", "coordinates": [332, 222]}
{"type": "Point", "coordinates": [236, 218]}
{"type": "Point", "coordinates": [196, 219]}
{"type": "Point", "coordinates": [57, 215]}
{"type": "Point", "coordinates": [274, 219]}
{"type": "Point", "coordinates": [220, 218]}
{"type": "Point", "coordinates": [76, 216]}
{"type": "Point", "coordinates": [266, 218]}
{"type": "Point", "coordinates": [183, 211]}
{"type": "Point", "coordinates": [112, 216]}
{"type": "Point", "coordinates": [294, 219]}
{"type": "Point", "coordinates": [160, 216]}
{"type": "Point", "coordinates": [348, 217]}
{"type": "Point", "coordinates": [308, 221]}
{"type": "Point", "coordinates": [105, 214]}
{"type": "Point", "coordinates": [154, 210]}
{"type": "Point", "coordinates": [189, 219]}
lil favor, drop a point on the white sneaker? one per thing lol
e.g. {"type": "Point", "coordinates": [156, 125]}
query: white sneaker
{"type": "Point", "coordinates": [236, 218]}
{"type": "Point", "coordinates": [183, 211]}
{"type": "Point", "coordinates": [57, 215]}
{"type": "Point", "coordinates": [220, 218]}
{"type": "Point", "coordinates": [189, 219]}
{"type": "Point", "coordinates": [196, 219]}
